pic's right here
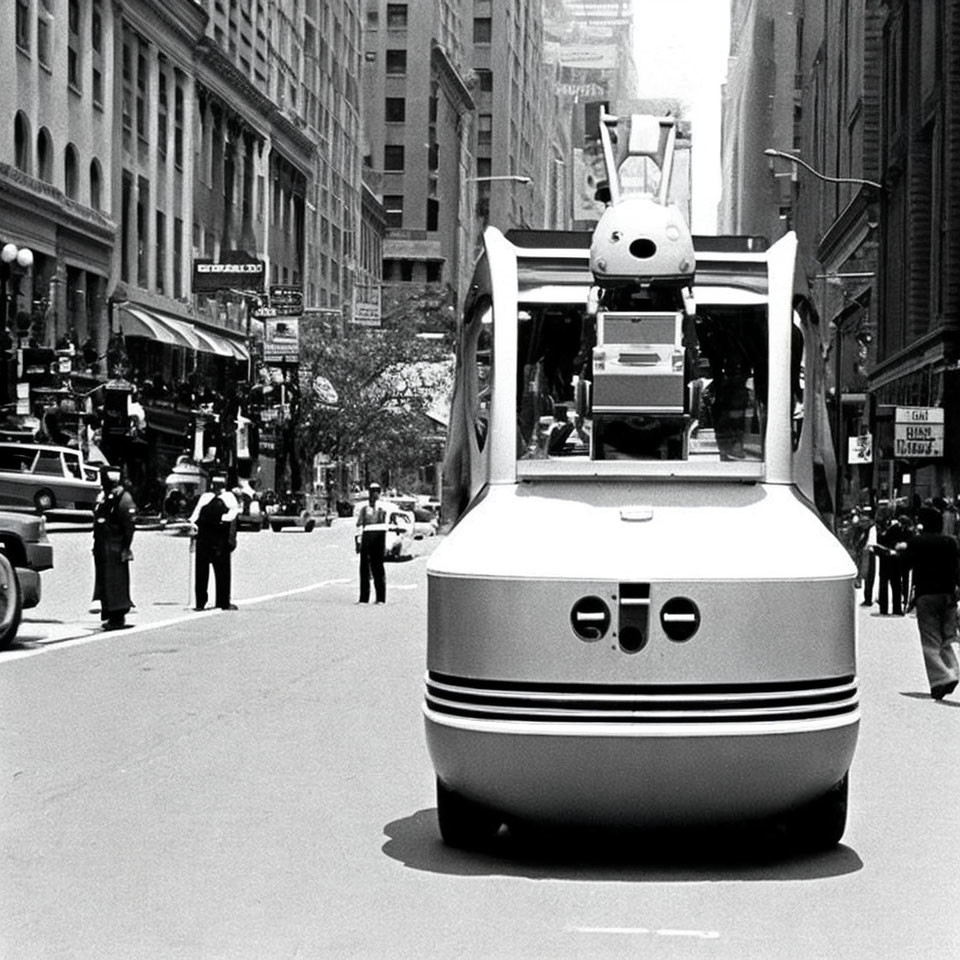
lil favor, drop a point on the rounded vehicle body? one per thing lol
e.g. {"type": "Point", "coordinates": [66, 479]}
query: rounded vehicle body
{"type": "Point", "coordinates": [638, 616]}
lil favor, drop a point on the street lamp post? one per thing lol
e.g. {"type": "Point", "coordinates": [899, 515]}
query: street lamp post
{"type": "Point", "coordinates": [14, 263]}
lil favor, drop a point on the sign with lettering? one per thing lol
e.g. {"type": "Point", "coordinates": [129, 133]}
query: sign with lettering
{"type": "Point", "coordinates": [918, 432]}
{"type": "Point", "coordinates": [287, 301]}
{"type": "Point", "coordinates": [208, 276]}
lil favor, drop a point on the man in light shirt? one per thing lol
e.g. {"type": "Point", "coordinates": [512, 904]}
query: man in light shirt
{"type": "Point", "coordinates": [214, 529]}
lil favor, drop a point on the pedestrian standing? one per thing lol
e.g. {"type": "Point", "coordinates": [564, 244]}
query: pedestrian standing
{"type": "Point", "coordinates": [891, 575]}
{"type": "Point", "coordinates": [214, 527]}
{"type": "Point", "coordinates": [868, 565]}
{"type": "Point", "coordinates": [935, 560]}
{"type": "Point", "coordinates": [371, 544]}
{"type": "Point", "coordinates": [114, 519]}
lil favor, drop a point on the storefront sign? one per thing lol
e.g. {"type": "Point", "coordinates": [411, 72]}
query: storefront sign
{"type": "Point", "coordinates": [860, 449]}
{"type": "Point", "coordinates": [918, 432]}
{"type": "Point", "coordinates": [208, 276]}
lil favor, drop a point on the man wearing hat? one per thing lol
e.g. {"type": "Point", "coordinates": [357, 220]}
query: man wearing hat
{"type": "Point", "coordinates": [113, 528]}
{"type": "Point", "coordinates": [214, 531]}
{"type": "Point", "coordinates": [371, 544]}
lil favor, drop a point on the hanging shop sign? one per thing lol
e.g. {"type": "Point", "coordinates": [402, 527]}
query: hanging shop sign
{"type": "Point", "coordinates": [287, 301]}
{"type": "Point", "coordinates": [918, 432]}
{"type": "Point", "coordinates": [210, 276]}
{"type": "Point", "coordinates": [281, 340]}
{"type": "Point", "coordinates": [860, 449]}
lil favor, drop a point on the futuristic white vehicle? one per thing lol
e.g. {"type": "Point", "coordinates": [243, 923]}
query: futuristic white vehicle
{"type": "Point", "coordinates": [681, 649]}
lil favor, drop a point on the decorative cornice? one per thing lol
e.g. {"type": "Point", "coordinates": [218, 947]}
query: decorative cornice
{"type": "Point", "coordinates": [55, 204]}
{"type": "Point", "coordinates": [450, 79]}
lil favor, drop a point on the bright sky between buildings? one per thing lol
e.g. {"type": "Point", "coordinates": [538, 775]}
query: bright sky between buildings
{"type": "Point", "coordinates": [681, 52]}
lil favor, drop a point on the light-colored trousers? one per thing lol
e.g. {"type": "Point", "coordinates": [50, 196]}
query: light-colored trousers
{"type": "Point", "coordinates": [937, 620]}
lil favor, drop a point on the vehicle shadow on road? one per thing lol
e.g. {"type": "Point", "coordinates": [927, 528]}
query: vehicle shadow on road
{"type": "Point", "coordinates": [723, 853]}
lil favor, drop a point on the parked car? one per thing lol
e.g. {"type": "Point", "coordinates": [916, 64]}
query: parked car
{"type": "Point", "coordinates": [253, 514]}
{"type": "Point", "coordinates": [400, 533]}
{"type": "Point", "coordinates": [46, 477]}
{"type": "Point", "coordinates": [25, 551]}
{"type": "Point", "coordinates": [290, 512]}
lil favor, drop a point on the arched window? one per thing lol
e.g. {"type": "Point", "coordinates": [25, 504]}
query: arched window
{"type": "Point", "coordinates": [70, 172]}
{"type": "Point", "coordinates": [96, 185]}
{"type": "Point", "coordinates": [21, 141]}
{"type": "Point", "coordinates": [45, 155]}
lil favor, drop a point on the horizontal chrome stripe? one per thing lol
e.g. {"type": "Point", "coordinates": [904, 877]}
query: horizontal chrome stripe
{"type": "Point", "coordinates": [660, 703]}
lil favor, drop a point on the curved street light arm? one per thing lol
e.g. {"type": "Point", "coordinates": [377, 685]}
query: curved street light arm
{"type": "Point", "coordinates": [770, 152]}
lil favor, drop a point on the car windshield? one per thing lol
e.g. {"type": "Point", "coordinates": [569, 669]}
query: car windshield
{"type": "Point", "coordinates": [642, 385]}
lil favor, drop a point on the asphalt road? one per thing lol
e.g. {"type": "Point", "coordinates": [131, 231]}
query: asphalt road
{"type": "Point", "coordinates": [254, 784]}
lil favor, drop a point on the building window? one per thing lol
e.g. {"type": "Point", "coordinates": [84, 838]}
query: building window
{"type": "Point", "coordinates": [23, 25]}
{"type": "Point", "coordinates": [126, 204]}
{"type": "Point", "coordinates": [482, 29]}
{"type": "Point", "coordinates": [126, 109]}
{"type": "Point", "coordinates": [178, 126]}
{"type": "Point", "coordinates": [434, 271]}
{"type": "Point", "coordinates": [142, 95]}
{"type": "Point", "coordinates": [97, 88]}
{"type": "Point", "coordinates": [70, 177]}
{"type": "Point", "coordinates": [96, 29]}
{"type": "Point", "coordinates": [177, 257]}
{"type": "Point", "coordinates": [162, 116]}
{"type": "Point", "coordinates": [433, 213]}
{"type": "Point", "coordinates": [96, 185]}
{"type": "Point", "coordinates": [44, 19]}
{"type": "Point", "coordinates": [396, 62]}
{"type": "Point", "coordinates": [395, 110]}
{"type": "Point", "coordinates": [485, 80]}
{"type": "Point", "coordinates": [393, 205]}
{"type": "Point", "coordinates": [143, 193]}
{"type": "Point", "coordinates": [393, 157]}
{"type": "Point", "coordinates": [73, 44]}
{"type": "Point", "coordinates": [21, 143]}
{"type": "Point", "coordinates": [485, 129]}
{"type": "Point", "coordinates": [161, 249]}
{"type": "Point", "coordinates": [396, 16]}
{"type": "Point", "coordinates": [45, 155]}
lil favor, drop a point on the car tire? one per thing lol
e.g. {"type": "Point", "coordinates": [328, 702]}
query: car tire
{"type": "Point", "coordinates": [11, 602]}
{"type": "Point", "coordinates": [276, 527]}
{"type": "Point", "coordinates": [44, 500]}
{"type": "Point", "coordinates": [820, 824]}
{"type": "Point", "coordinates": [464, 823]}
{"type": "Point", "coordinates": [309, 525]}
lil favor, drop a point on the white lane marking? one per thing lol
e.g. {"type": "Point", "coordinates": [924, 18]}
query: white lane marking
{"type": "Point", "coordinates": [94, 634]}
{"type": "Point", "coordinates": [640, 931]}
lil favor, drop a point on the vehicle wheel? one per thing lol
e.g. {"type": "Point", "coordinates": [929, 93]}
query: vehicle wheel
{"type": "Point", "coordinates": [309, 525]}
{"type": "Point", "coordinates": [276, 527]}
{"type": "Point", "coordinates": [464, 823]}
{"type": "Point", "coordinates": [44, 500]}
{"type": "Point", "coordinates": [11, 602]}
{"type": "Point", "coordinates": [820, 824]}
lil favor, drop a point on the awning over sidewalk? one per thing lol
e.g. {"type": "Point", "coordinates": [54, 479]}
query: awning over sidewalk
{"type": "Point", "coordinates": [140, 322]}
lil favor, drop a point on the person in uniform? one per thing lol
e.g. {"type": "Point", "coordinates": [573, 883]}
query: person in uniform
{"type": "Point", "coordinates": [214, 529]}
{"type": "Point", "coordinates": [113, 526]}
{"type": "Point", "coordinates": [371, 543]}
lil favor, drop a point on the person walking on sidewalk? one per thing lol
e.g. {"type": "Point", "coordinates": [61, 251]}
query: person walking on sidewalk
{"type": "Point", "coordinates": [371, 544]}
{"type": "Point", "coordinates": [114, 519]}
{"type": "Point", "coordinates": [935, 561]}
{"type": "Point", "coordinates": [214, 531]}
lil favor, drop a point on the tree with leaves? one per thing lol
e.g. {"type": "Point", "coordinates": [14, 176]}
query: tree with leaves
{"type": "Point", "coordinates": [390, 387]}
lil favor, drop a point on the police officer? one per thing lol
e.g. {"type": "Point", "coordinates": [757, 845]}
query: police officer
{"type": "Point", "coordinates": [371, 544]}
{"type": "Point", "coordinates": [113, 527]}
{"type": "Point", "coordinates": [214, 530]}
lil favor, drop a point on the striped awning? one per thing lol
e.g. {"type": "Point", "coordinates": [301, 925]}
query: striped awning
{"type": "Point", "coordinates": [141, 322]}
